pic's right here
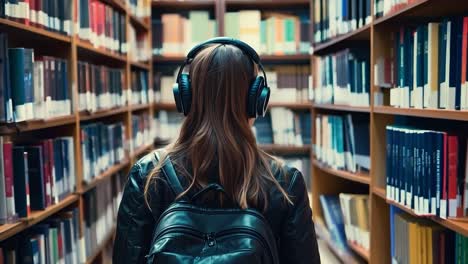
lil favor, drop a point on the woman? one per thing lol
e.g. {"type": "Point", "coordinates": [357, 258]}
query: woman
{"type": "Point", "coordinates": [216, 144]}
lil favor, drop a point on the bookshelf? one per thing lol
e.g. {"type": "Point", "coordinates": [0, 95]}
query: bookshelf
{"type": "Point", "coordinates": [325, 180]}
{"type": "Point", "coordinates": [74, 49]}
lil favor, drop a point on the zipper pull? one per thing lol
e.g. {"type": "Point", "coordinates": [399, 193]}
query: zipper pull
{"type": "Point", "coordinates": [210, 239]}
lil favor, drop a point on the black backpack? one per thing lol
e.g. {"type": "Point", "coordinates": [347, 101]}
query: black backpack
{"type": "Point", "coordinates": [187, 233]}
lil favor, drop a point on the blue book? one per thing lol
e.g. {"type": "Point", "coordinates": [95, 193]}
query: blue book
{"type": "Point", "coordinates": [334, 219]}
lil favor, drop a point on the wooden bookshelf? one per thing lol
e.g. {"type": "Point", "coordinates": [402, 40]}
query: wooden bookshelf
{"type": "Point", "coordinates": [379, 191]}
{"type": "Point", "coordinates": [359, 35]}
{"type": "Point", "coordinates": [293, 106]}
{"type": "Point", "coordinates": [73, 49]}
{"type": "Point", "coordinates": [363, 178]}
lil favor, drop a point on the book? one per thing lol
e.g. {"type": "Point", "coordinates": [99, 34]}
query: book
{"type": "Point", "coordinates": [282, 126]}
{"type": "Point", "coordinates": [334, 220]}
{"type": "Point", "coordinates": [140, 90]}
{"type": "Point", "coordinates": [141, 9]}
{"type": "Point", "coordinates": [102, 146]}
{"type": "Point", "coordinates": [426, 67]}
{"type": "Point", "coordinates": [6, 101]}
{"type": "Point", "coordinates": [143, 131]}
{"type": "Point", "coordinates": [289, 83]}
{"type": "Point", "coordinates": [341, 142]}
{"type": "Point", "coordinates": [100, 210]}
{"type": "Point", "coordinates": [168, 125]}
{"type": "Point", "coordinates": [343, 78]}
{"type": "Point", "coordinates": [338, 17]}
{"type": "Point", "coordinates": [138, 46]}
{"type": "Point", "coordinates": [386, 7]}
{"type": "Point", "coordinates": [100, 87]}
{"type": "Point", "coordinates": [180, 32]}
{"type": "Point", "coordinates": [355, 209]}
{"type": "Point", "coordinates": [426, 170]}
{"type": "Point", "coordinates": [101, 25]}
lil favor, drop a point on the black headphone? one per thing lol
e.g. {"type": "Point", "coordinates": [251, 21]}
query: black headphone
{"type": "Point", "coordinates": [259, 92]}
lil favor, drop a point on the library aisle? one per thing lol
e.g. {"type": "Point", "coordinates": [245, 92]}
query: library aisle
{"type": "Point", "coordinates": [369, 101]}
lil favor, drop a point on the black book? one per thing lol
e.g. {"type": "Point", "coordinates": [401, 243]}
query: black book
{"type": "Point", "coordinates": [21, 181]}
{"type": "Point", "coordinates": [36, 177]}
{"type": "Point", "coordinates": [5, 92]}
{"type": "Point", "coordinates": [58, 164]}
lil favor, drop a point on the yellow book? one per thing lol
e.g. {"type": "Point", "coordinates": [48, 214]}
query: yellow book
{"type": "Point", "coordinates": [422, 234]}
{"type": "Point", "coordinates": [429, 245]}
{"type": "Point", "coordinates": [413, 243]}
{"type": "Point", "coordinates": [430, 101]}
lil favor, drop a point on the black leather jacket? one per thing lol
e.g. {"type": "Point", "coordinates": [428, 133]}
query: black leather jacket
{"type": "Point", "coordinates": [291, 224]}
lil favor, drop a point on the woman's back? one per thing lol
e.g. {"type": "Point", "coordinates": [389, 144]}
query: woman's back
{"type": "Point", "coordinates": [220, 95]}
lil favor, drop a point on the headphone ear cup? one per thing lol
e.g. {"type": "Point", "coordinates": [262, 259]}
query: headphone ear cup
{"type": "Point", "coordinates": [177, 98]}
{"type": "Point", "coordinates": [254, 89]}
{"type": "Point", "coordinates": [185, 92]}
{"type": "Point", "coordinates": [262, 101]}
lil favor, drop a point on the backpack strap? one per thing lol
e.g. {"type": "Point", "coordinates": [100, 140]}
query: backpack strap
{"type": "Point", "coordinates": [171, 176]}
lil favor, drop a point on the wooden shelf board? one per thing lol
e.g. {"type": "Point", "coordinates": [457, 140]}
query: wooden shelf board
{"type": "Point", "coordinates": [36, 124]}
{"type": "Point", "coordinates": [139, 23]}
{"type": "Point", "coordinates": [452, 224]}
{"type": "Point", "coordinates": [400, 12]}
{"type": "Point", "coordinates": [109, 237]}
{"type": "Point", "coordinates": [141, 65]}
{"type": "Point", "coordinates": [364, 253]}
{"type": "Point", "coordinates": [461, 115]}
{"type": "Point", "coordinates": [359, 34]}
{"type": "Point", "coordinates": [165, 106]}
{"type": "Point", "coordinates": [294, 106]}
{"type": "Point", "coordinates": [185, 4]}
{"type": "Point", "coordinates": [13, 26]}
{"type": "Point", "coordinates": [139, 107]}
{"type": "Point", "coordinates": [286, 149]}
{"type": "Point", "coordinates": [105, 175]}
{"type": "Point", "coordinates": [267, 3]}
{"type": "Point", "coordinates": [363, 178]}
{"type": "Point", "coordinates": [380, 191]}
{"type": "Point", "coordinates": [347, 108]}
{"type": "Point", "coordinates": [85, 116]}
{"type": "Point", "coordinates": [84, 46]}
{"type": "Point", "coordinates": [10, 230]}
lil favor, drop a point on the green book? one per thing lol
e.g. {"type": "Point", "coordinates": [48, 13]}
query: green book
{"type": "Point", "coordinates": [289, 33]}
{"type": "Point", "coordinates": [231, 26]}
{"type": "Point", "coordinates": [199, 22]}
{"type": "Point", "coordinates": [263, 37]}
{"type": "Point", "coordinates": [270, 35]}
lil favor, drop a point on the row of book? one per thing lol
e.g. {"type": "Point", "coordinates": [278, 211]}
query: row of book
{"type": "Point", "coordinates": [337, 17]}
{"type": "Point", "coordinates": [34, 175]}
{"type": "Point", "coordinates": [101, 205]}
{"type": "Point", "coordinates": [140, 91]}
{"type": "Point", "coordinates": [55, 240]}
{"type": "Point", "coordinates": [143, 131]}
{"type": "Point", "coordinates": [139, 8]}
{"type": "Point", "coordinates": [426, 66]}
{"type": "Point", "coordinates": [343, 78]}
{"type": "Point", "coordinates": [282, 126]}
{"type": "Point", "coordinates": [175, 34]}
{"type": "Point", "coordinates": [100, 87]}
{"type": "Point", "coordinates": [167, 124]}
{"type": "Point", "coordinates": [385, 7]}
{"type": "Point", "coordinates": [139, 48]}
{"type": "Point", "coordinates": [416, 240]}
{"type": "Point", "coordinates": [53, 15]}
{"type": "Point", "coordinates": [270, 32]}
{"type": "Point", "coordinates": [342, 141]}
{"type": "Point", "coordinates": [102, 25]}
{"type": "Point", "coordinates": [33, 87]}
{"type": "Point", "coordinates": [289, 83]}
{"type": "Point", "coordinates": [347, 219]}
{"type": "Point", "coordinates": [426, 171]}
{"type": "Point", "coordinates": [102, 145]}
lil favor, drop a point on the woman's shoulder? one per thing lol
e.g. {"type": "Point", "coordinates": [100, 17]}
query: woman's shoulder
{"type": "Point", "coordinates": [289, 177]}
{"type": "Point", "coordinates": [145, 165]}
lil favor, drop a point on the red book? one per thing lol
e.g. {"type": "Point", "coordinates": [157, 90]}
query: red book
{"type": "Point", "coordinates": [60, 242]}
{"type": "Point", "coordinates": [54, 195]}
{"type": "Point", "coordinates": [33, 12]}
{"type": "Point", "coordinates": [28, 196]}
{"type": "Point", "coordinates": [452, 175]}
{"type": "Point", "coordinates": [9, 181]}
{"type": "Point", "coordinates": [101, 21]}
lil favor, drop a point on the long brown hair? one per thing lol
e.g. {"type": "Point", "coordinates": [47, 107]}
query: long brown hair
{"type": "Point", "coordinates": [217, 134]}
